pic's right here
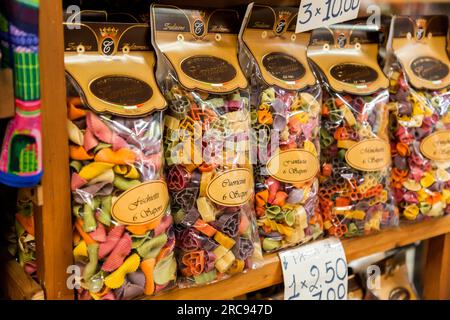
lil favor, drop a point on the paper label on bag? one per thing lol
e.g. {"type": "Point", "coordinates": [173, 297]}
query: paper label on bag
{"type": "Point", "coordinates": [317, 271]}
{"type": "Point", "coordinates": [314, 14]}
{"type": "Point", "coordinates": [112, 65]}
{"type": "Point", "coordinates": [420, 46]}
{"type": "Point", "coordinates": [231, 188]}
{"type": "Point", "coordinates": [281, 55]}
{"type": "Point", "coordinates": [142, 204]}
{"type": "Point", "coordinates": [293, 166]}
{"type": "Point", "coordinates": [437, 146]}
{"type": "Point", "coordinates": [369, 155]}
{"type": "Point", "coordinates": [200, 45]}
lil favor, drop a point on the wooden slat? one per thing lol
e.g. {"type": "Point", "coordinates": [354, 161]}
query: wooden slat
{"type": "Point", "coordinates": [53, 219]}
{"type": "Point", "coordinates": [437, 269]}
{"type": "Point", "coordinates": [17, 284]}
{"type": "Point", "coordinates": [270, 273]}
{"type": "Point", "coordinates": [7, 94]}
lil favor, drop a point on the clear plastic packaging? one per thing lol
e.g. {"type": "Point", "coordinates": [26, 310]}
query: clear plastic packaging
{"type": "Point", "coordinates": [207, 146]}
{"type": "Point", "coordinates": [355, 159]}
{"type": "Point", "coordinates": [285, 113]}
{"type": "Point", "coordinates": [123, 237]}
{"type": "Point", "coordinates": [420, 122]}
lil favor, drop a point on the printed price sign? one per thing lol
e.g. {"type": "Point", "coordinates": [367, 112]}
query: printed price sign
{"type": "Point", "coordinates": [317, 271]}
{"type": "Point", "coordinates": [319, 13]}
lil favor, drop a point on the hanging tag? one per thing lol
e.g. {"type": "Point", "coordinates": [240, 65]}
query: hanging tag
{"type": "Point", "coordinates": [314, 14]}
{"type": "Point", "coordinates": [317, 271]}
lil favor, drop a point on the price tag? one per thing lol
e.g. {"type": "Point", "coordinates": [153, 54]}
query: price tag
{"type": "Point", "coordinates": [319, 13]}
{"type": "Point", "coordinates": [317, 271]}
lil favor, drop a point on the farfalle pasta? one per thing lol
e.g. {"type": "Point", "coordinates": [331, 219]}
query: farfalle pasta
{"type": "Point", "coordinates": [285, 107]}
{"type": "Point", "coordinates": [418, 67]}
{"type": "Point", "coordinates": [207, 142]}
{"type": "Point", "coordinates": [355, 159]}
{"type": "Point", "coordinates": [123, 235]}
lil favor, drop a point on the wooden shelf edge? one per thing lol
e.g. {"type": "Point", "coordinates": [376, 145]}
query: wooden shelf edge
{"type": "Point", "coordinates": [19, 285]}
{"type": "Point", "coordinates": [270, 272]}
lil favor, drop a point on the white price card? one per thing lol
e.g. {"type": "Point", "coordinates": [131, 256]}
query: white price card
{"type": "Point", "coordinates": [317, 271]}
{"type": "Point", "coordinates": [314, 14]}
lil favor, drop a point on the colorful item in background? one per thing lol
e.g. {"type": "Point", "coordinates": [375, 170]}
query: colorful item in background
{"type": "Point", "coordinates": [285, 112]}
{"type": "Point", "coordinates": [420, 120]}
{"type": "Point", "coordinates": [123, 239]}
{"type": "Point", "coordinates": [207, 143]}
{"type": "Point", "coordinates": [21, 156]}
{"type": "Point", "coordinates": [355, 159]}
{"type": "Point", "coordinates": [26, 246]}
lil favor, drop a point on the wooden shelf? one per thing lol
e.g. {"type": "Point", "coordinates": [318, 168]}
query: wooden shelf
{"type": "Point", "coordinates": [17, 284]}
{"type": "Point", "coordinates": [270, 273]}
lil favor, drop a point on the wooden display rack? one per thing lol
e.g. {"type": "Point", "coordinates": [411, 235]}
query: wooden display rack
{"type": "Point", "coordinates": [54, 220]}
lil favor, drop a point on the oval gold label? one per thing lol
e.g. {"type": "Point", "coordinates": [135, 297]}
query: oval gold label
{"type": "Point", "coordinates": [353, 73]}
{"type": "Point", "coordinates": [437, 146]}
{"type": "Point", "coordinates": [120, 90]}
{"type": "Point", "coordinates": [231, 188]}
{"type": "Point", "coordinates": [141, 204]}
{"type": "Point", "coordinates": [283, 66]}
{"type": "Point", "coordinates": [208, 69]}
{"type": "Point", "coordinates": [293, 166]}
{"type": "Point", "coordinates": [369, 155]}
{"type": "Point", "coordinates": [429, 68]}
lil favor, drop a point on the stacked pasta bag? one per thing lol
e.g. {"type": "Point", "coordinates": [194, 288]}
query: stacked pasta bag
{"type": "Point", "coordinates": [207, 141]}
{"type": "Point", "coordinates": [418, 67]}
{"type": "Point", "coordinates": [355, 159]}
{"type": "Point", "coordinates": [285, 115]}
{"type": "Point", "coordinates": [123, 235]}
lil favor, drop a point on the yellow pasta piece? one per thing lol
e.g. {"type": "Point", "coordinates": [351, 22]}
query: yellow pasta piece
{"type": "Point", "coordinates": [225, 241]}
{"type": "Point", "coordinates": [345, 144]}
{"type": "Point", "coordinates": [204, 181]}
{"type": "Point", "coordinates": [206, 209]}
{"type": "Point", "coordinates": [224, 263]}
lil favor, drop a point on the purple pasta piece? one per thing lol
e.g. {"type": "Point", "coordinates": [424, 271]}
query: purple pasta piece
{"type": "Point", "coordinates": [279, 106]}
{"type": "Point", "coordinates": [279, 122]}
{"type": "Point", "coordinates": [195, 179]}
{"type": "Point", "coordinates": [190, 217]}
{"type": "Point", "coordinates": [243, 248]}
{"type": "Point", "coordinates": [228, 223]}
{"type": "Point", "coordinates": [210, 259]}
{"type": "Point", "coordinates": [209, 244]}
{"type": "Point", "coordinates": [137, 278]}
{"type": "Point", "coordinates": [400, 162]}
{"type": "Point", "coordinates": [437, 187]}
{"type": "Point", "coordinates": [185, 198]}
{"type": "Point", "coordinates": [189, 240]}
{"type": "Point", "coordinates": [118, 293]}
{"type": "Point", "coordinates": [295, 196]}
{"type": "Point", "coordinates": [131, 291]}
{"type": "Point", "coordinates": [85, 194]}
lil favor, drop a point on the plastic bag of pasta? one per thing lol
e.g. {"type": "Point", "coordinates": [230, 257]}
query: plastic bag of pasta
{"type": "Point", "coordinates": [355, 159]}
{"type": "Point", "coordinates": [418, 67]}
{"type": "Point", "coordinates": [285, 119]}
{"type": "Point", "coordinates": [207, 142]}
{"type": "Point", "coordinates": [124, 237]}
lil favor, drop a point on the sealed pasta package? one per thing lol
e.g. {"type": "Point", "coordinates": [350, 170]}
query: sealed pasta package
{"type": "Point", "coordinates": [207, 142]}
{"type": "Point", "coordinates": [418, 67]}
{"type": "Point", "coordinates": [123, 237]}
{"type": "Point", "coordinates": [355, 153]}
{"type": "Point", "coordinates": [285, 109]}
